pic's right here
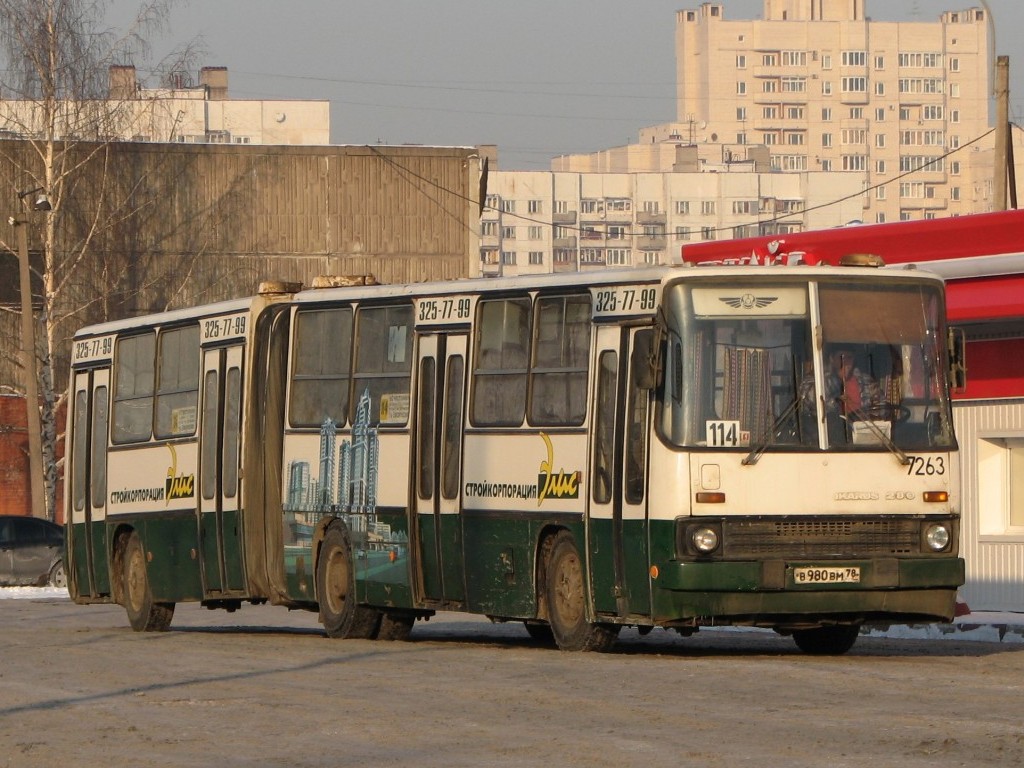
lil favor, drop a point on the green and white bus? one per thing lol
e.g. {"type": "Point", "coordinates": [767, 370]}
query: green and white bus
{"type": "Point", "coordinates": [650, 448]}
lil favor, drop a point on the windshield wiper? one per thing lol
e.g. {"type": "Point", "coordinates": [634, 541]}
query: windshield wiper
{"type": "Point", "coordinates": [759, 449]}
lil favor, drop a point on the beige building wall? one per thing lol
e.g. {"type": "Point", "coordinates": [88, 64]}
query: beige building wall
{"type": "Point", "coordinates": [538, 222]}
{"type": "Point", "coordinates": [190, 114]}
{"type": "Point", "coordinates": [826, 89]}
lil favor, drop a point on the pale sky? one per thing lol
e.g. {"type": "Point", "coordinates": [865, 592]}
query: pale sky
{"type": "Point", "coordinates": [536, 77]}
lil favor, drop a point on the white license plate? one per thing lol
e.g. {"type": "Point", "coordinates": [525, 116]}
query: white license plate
{"type": "Point", "coordinates": [824, 574]}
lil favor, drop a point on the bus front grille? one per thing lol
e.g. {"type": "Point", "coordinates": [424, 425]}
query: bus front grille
{"type": "Point", "coordinates": [838, 537]}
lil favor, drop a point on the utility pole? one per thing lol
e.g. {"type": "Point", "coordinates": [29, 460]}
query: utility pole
{"type": "Point", "coordinates": [1002, 135]}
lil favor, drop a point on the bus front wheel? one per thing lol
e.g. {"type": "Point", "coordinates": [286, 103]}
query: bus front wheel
{"type": "Point", "coordinates": [340, 615]}
{"type": "Point", "coordinates": [566, 601]}
{"type": "Point", "coordinates": [144, 614]}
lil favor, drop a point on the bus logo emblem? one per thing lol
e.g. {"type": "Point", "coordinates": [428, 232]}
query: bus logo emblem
{"type": "Point", "coordinates": [555, 485]}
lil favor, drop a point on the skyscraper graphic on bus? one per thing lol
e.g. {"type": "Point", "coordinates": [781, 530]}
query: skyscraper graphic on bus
{"type": "Point", "coordinates": [346, 482]}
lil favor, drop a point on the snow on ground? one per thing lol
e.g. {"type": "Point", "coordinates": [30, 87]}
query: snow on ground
{"type": "Point", "coordinates": [33, 593]}
{"type": "Point", "coordinates": [983, 626]}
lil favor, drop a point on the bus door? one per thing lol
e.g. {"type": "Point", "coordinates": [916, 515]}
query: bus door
{"type": "Point", "coordinates": [617, 526]}
{"type": "Point", "coordinates": [87, 512]}
{"type": "Point", "coordinates": [437, 494]}
{"type": "Point", "coordinates": [220, 534]}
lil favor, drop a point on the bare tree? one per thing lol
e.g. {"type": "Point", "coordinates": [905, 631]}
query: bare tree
{"type": "Point", "coordinates": [55, 97]}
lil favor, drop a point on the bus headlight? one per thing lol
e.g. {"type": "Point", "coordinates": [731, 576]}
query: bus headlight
{"type": "Point", "coordinates": [704, 539]}
{"type": "Point", "coordinates": [937, 537]}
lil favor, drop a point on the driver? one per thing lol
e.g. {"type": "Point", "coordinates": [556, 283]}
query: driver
{"type": "Point", "coordinates": [848, 390]}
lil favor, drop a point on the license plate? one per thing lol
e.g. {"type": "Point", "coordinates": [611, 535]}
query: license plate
{"type": "Point", "coordinates": [823, 574]}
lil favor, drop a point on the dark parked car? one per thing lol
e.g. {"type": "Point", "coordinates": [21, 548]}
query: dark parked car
{"type": "Point", "coordinates": [31, 552]}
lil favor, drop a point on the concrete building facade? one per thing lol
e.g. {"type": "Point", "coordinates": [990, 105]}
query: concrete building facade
{"type": "Point", "coordinates": [536, 222]}
{"type": "Point", "coordinates": [825, 88]}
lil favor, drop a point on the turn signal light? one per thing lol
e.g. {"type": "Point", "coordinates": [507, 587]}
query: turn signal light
{"type": "Point", "coordinates": [710, 497]}
{"type": "Point", "coordinates": [940, 496]}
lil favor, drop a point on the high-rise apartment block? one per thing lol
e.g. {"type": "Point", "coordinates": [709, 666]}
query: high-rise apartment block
{"type": "Point", "coordinates": [827, 89]}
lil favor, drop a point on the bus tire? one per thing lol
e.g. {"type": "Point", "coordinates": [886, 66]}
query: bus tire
{"type": "Point", "coordinates": [566, 594]}
{"type": "Point", "coordinates": [826, 641]}
{"type": "Point", "coordinates": [540, 633]}
{"type": "Point", "coordinates": [340, 615]}
{"type": "Point", "coordinates": [144, 615]}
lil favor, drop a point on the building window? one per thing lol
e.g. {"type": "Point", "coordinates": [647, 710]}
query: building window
{"type": "Point", "coordinates": [682, 233]}
{"type": "Point", "coordinates": [1001, 485]}
{"type": "Point", "coordinates": [795, 113]}
{"type": "Point", "coordinates": [854, 84]}
{"type": "Point", "coordinates": [856, 113]}
{"type": "Point", "coordinates": [954, 193]}
{"type": "Point", "coordinates": [741, 113]}
{"type": "Point", "coordinates": [536, 233]}
{"type": "Point", "coordinates": [855, 163]}
{"type": "Point", "coordinates": [489, 228]}
{"type": "Point", "coordinates": [508, 233]}
{"type": "Point", "coordinates": [826, 114]}
{"type": "Point", "coordinates": [880, 140]}
{"type": "Point", "coordinates": [618, 257]}
{"type": "Point", "coordinates": [826, 87]}
{"type": "Point", "coordinates": [826, 61]}
{"type": "Point", "coordinates": [535, 206]}
{"type": "Point", "coordinates": [770, 86]}
{"type": "Point", "coordinates": [708, 207]}
{"type": "Point", "coordinates": [855, 58]}
{"type": "Point", "coordinates": [561, 206]}
{"type": "Point", "coordinates": [905, 113]}
{"type": "Point", "coordinates": [880, 166]}
{"type": "Point", "coordinates": [880, 115]}
{"type": "Point", "coordinates": [879, 89]}
{"type": "Point", "coordinates": [769, 113]}
{"type": "Point", "coordinates": [616, 232]}
{"type": "Point", "coordinates": [741, 88]}
{"type": "Point", "coordinates": [536, 258]}
{"type": "Point", "coordinates": [880, 193]}
{"type": "Point", "coordinates": [508, 206]}
{"type": "Point", "coordinates": [683, 207]}
{"type": "Point", "coordinates": [879, 62]}
{"type": "Point", "coordinates": [741, 61]}
{"type": "Point", "coordinates": [954, 116]}
{"type": "Point", "coordinates": [769, 60]}
{"type": "Point", "coordinates": [826, 139]}
{"type": "Point", "coordinates": [826, 164]}
{"type": "Point", "coordinates": [707, 233]}
{"type": "Point", "coordinates": [954, 90]}
{"type": "Point", "coordinates": [508, 258]}
{"type": "Point", "coordinates": [954, 167]}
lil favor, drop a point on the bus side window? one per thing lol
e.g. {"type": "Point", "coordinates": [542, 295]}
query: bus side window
{"type": "Point", "coordinates": [320, 367]}
{"type": "Point", "coordinates": [500, 362]}
{"type": "Point", "coordinates": [133, 388]}
{"type": "Point", "coordinates": [558, 377]}
{"type": "Point", "coordinates": [177, 394]}
{"type": "Point", "coordinates": [383, 365]}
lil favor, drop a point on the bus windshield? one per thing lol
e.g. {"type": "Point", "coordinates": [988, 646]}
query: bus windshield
{"type": "Point", "coordinates": [742, 372]}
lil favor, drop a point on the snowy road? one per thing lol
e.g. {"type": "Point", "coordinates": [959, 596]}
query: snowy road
{"type": "Point", "coordinates": [264, 687]}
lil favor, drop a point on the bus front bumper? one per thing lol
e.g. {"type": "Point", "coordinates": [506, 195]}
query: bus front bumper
{"type": "Point", "coordinates": [890, 590]}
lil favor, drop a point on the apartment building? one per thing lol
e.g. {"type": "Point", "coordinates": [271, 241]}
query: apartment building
{"type": "Point", "coordinates": [825, 88]}
{"type": "Point", "coordinates": [186, 110]}
{"type": "Point", "coordinates": [540, 221]}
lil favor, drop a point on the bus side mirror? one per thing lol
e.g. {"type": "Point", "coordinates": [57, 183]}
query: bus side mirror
{"type": "Point", "coordinates": [956, 345]}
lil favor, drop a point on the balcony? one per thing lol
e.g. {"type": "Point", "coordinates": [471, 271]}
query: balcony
{"type": "Point", "coordinates": [567, 217]}
{"type": "Point", "coordinates": [564, 242]}
{"type": "Point", "coordinates": [651, 217]}
{"type": "Point", "coordinates": [651, 242]}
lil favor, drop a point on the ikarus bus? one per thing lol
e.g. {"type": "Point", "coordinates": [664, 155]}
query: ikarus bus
{"type": "Point", "coordinates": [666, 447]}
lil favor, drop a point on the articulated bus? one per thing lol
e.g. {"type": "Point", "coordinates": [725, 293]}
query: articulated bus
{"type": "Point", "coordinates": [649, 448]}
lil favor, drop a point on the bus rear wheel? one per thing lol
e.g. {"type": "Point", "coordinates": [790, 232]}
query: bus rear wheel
{"type": "Point", "coordinates": [567, 603]}
{"type": "Point", "coordinates": [144, 615]}
{"type": "Point", "coordinates": [340, 615]}
{"type": "Point", "coordinates": [826, 641]}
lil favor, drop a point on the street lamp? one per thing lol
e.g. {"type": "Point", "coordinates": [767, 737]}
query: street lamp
{"type": "Point", "coordinates": [28, 355]}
